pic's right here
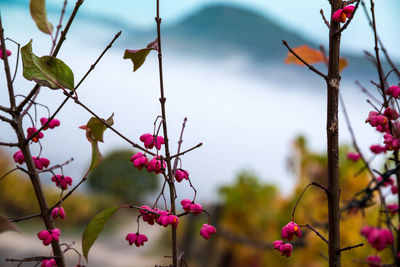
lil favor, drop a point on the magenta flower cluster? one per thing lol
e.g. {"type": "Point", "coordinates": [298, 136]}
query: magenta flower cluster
{"type": "Point", "coordinates": [289, 231]}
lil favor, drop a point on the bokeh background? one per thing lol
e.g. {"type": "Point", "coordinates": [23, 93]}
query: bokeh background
{"type": "Point", "coordinates": [262, 122]}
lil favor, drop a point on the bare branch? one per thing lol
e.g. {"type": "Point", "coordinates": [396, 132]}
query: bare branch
{"type": "Point", "coordinates": [304, 62]}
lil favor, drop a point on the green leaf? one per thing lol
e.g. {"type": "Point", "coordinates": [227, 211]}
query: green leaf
{"type": "Point", "coordinates": [5, 225]}
{"type": "Point", "coordinates": [38, 13]}
{"type": "Point", "coordinates": [137, 56]}
{"type": "Point", "coordinates": [96, 155]}
{"type": "Point", "coordinates": [97, 127]}
{"type": "Point", "coordinates": [46, 71]}
{"type": "Point", "coordinates": [94, 228]}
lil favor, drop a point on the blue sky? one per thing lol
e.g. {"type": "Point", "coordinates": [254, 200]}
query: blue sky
{"type": "Point", "coordinates": [300, 16]}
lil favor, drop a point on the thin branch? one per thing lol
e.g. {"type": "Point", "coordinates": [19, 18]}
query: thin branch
{"type": "Point", "coordinates": [7, 173]}
{"type": "Point", "coordinates": [349, 20]}
{"type": "Point", "coordinates": [350, 247]}
{"type": "Point", "coordinates": [324, 19]}
{"type": "Point", "coordinates": [5, 109]}
{"type": "Point", "coordinates": [302, 193]}
{"type": "Point", "coordinates": [186, 151]}
{"type": "Point", "coordinates": [59, 25]}
{"type": "Point", "coordinates": [7, 67]}
{"type": "Point", "coordinates": [179, 146]}
{"type": "Point", "coordinates": [316, 232]}
{"type": "Point", "coordinates": [8, 144]}
{"type": "Point", "coordinates": [57, 166]}
{"type": "Point", "coordinates": [24, 218]}
{"type": "Point", "coordinates": [304, 62]}
{"type": "Point", "coordinates": [54, 54]}
{"type": "Point", "coordinates": [110, 127]}
{"type": "Point", "coordinates": [80, 82]}
{"type": "Point", "coordinates": [6, 120]}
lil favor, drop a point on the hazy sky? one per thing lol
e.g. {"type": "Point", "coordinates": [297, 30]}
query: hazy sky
{"type": "Point", "coordinates": [300, 16]}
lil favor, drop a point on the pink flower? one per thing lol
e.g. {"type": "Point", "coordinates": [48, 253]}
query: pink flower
{"type": "Point", "coordinates": [353, 156]}
{"type": "Point", "coordinates": [374, 261]}
{"type": "Point", "coordinates": [289, 230]}
{"type": "Point", "coordinates": [394, 91]}
{"type": "Point", "coordinates": [150, 141]}
{"type": "Point", "coordinates": [49, 263]}
{"type": "Point", "coordinates": [58, 212]}
{"type": "Point", "coordinates": [155, 165]}
{"type": "Point", "coordinates": [277, 244]}
{"type": "Point", "coordinates": [393, 208]}
{"type": "Point", "coordinates": [41, 163]}
{"type": "Point", "coordinates": [136, 238]}
{"type": "Point", "coordinates": [33, 130]}
{"type": "Point", "coordinates": [342, 14]}
{"type": "Point", "coordinates": [7, 51]}
{"type": "Point", "coordinates": [19, 157]}
{"type": "Point", "coordinates": [207, 230]}
{"type": "Point", "coordinates": [377, 149]}
{"type": "Point", "coordinates": [52, 124]}
{"type": "Point", "coordinates": [62, 181]}
{"type": "Point", "coordinates": [48, 236]}
{"type": "Point", "coordinates": [181, 174]}
{"type": "Point", "coordinates": [139, 160]}
{"type": "Point", "coordinates": [286, 249]}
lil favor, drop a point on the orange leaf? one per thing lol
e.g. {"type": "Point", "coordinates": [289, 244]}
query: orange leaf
{"type": "Point", "coordinates": [342, 64]}
{"type": "Point", "coordinates": [307, 53]}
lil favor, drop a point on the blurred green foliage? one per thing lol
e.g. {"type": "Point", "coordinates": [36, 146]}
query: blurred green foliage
{"type": "Point", "coordinates": [117, 177]}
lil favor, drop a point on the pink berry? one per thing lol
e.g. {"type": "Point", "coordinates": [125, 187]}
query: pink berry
{"type": "Point", "coordinates": [181, 174]}
{"type": "Point", "coordinates": [136, 239]}
{"type": "Point", "coordinates": [374, 261]}
{"type": "Point", "coordinates": [139, 160]}
{"type": "Point", "coordinates": [207, 230]}
{"type": "Point", "coordinates": [36, 138]}
{"type": "Point", "coordinates": [155, 165]}
{"type": "Point", "coordinates": [150, 141]}
{"type": "Point", "coordinates": [7, 51]}
{"type": "Point", "coordinates": [286, 249]}
{"type": "Point", "coordinates": [47, 236]}
{"type": "Point", "coordinates": [277, 244]}
{"type": "Point", "coordinates": [394, 91]}
{"type": "Point", "coordinates": [58, 212]}
{"type": "Point", "coordinates": [19, 157]}
{"type": "Point", "coordinates": [49, 263]}
{"type": "Point", "coordinates": [62, 181]}
{"type": "Point", "coordinates": [353, 156]}
{"type": "Point", "coordinates": [289, 230]}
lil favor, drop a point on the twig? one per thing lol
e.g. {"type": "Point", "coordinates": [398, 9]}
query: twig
{"type": "Point", "coordinates": [302, 193]}
{"type": "Point", "coordinates": [179, 146]}
{"type": "Point", "coordinates": [80, 82]}
{"type": "Point", "coordinates": [8, 144]}
{"type": "Point", "coordinates": [7, 67]}
{"type": "Point", "coordinates": [186, 151]}
{"type": "Point", "coordinates": [316, 232]}
{"type": "Point", "coordinates": [304, 62]}
{"type": "Point", "coordinates": [7, 120]}
{"type": "Point", "coordinates": [59, 26]}
{"type": "Point", "coordinates": [24, 218]}
{"type": "Point", "coordinates": [110, 127]}
{"type": "Point", "coordinates": [54, 54]}
{"type": "Point", "coordinates": [324, 19]}
{"type": "Point", "coordinates": [7, 173]}
{"type": "Point", "coordinates": [57, 166]}
{"type": "Point", "coordinates": [350, 247]}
